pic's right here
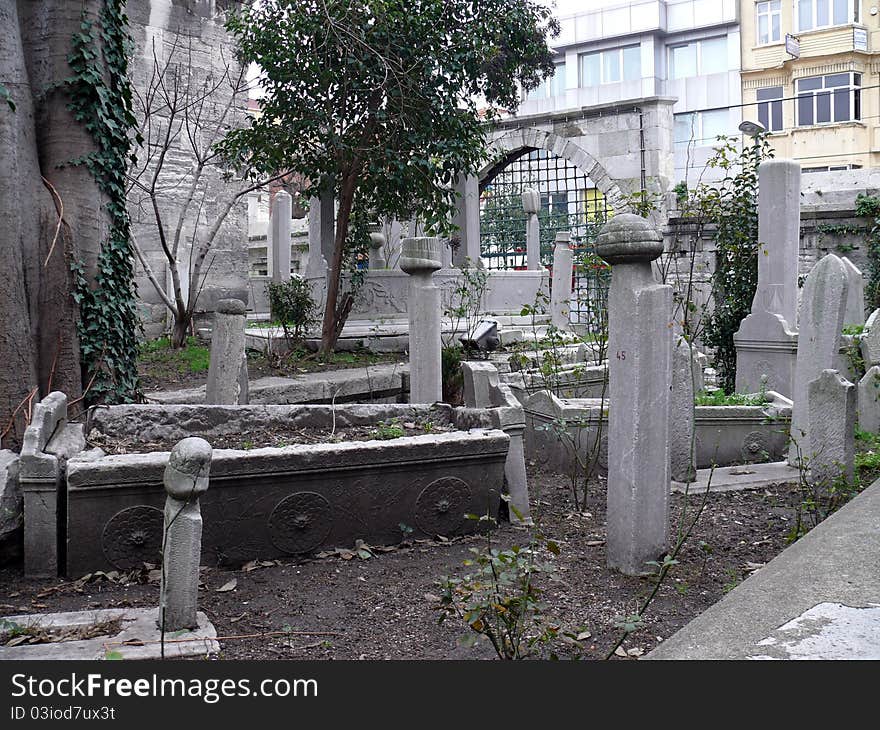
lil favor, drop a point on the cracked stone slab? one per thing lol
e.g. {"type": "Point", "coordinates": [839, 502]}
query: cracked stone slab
{"type": "Point", "coordinates": [139, 638]}
{"type": "Point", "coordinates": [826, 631]}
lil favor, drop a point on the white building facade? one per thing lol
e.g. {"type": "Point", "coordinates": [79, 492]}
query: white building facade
{"type": "Point", "coordinates": [618, 51]}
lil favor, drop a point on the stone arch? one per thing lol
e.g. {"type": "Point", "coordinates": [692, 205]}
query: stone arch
{"type": "Point", "coordinates": [511, 144]}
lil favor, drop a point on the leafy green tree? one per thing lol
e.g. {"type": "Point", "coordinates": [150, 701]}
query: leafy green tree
{"type": "Point", "coordinates": [382, 101]}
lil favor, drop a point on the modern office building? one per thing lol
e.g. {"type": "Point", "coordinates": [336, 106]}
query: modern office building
{"type": "Point", "coordinates": [618, 51]}
{"type": "Point", "coordinates": [810, 77]}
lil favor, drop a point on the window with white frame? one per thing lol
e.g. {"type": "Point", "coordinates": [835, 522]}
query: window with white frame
{"type": "Point", "coordinates": [828, 99]}
{"type": "Point", "coordinates": [769, 17]}
{"type": "Point", "coordinates": [700, 128]}
{"type": "Point", "coordinates": [611, 66]}
{"type": "Point", "coordinates": [698, 58]}
{"type": "Point", "coordinates": [812, 14]}
{"type": "Point", "coordinates": [770, 108]}
{"type": "Point", "coordinates": [553, 86]}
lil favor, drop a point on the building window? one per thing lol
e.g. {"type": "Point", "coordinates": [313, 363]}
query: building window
{"type": "Point", "coordinates": [611, 66]}
{"type": "Point", "coordinates": [770, 108]}
{"type": "Point", "coordinates": [553, 86]}
{"type": "Point", "coordinates": [831, 168]}
{"type": "Point", "coordinates": [698, 58]}
{"type": "Point", "coordinates": [829, 99]}
{"type": "Point", "coordinates": [700, 128]}
{"type": "Point", "coordinates": [813, 14]}
{"type": "Point", "coordinates": [769, 21]}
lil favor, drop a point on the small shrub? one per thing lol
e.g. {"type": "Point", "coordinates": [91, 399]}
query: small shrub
{"type": "Point", "coordinates": [292, 306]}
{"type": "Point", "coordinates": [386, 431]}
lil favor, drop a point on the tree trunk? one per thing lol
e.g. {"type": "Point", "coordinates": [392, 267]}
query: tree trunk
{"type": "Point", "coordinates": [39, 348]}
{"type": "Point", "coordinates": [331, 327]}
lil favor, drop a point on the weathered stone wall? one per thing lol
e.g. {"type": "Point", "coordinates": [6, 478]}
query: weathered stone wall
{"type": "Point", "coordinates": [197, 27]}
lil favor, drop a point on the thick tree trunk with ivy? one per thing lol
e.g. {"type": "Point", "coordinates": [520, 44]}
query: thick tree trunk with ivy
{"type": "Point", "coordinates": [54, 214]}
{"type": "Point", "coordinates": [38, 345]}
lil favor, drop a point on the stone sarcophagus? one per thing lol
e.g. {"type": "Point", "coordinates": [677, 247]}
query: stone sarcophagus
{"type": "Point", "coordinates": [281, 500]}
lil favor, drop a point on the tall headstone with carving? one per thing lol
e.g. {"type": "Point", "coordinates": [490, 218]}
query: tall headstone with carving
{"type": "Point", "coordinates": [186, 479]}
{"type": "Point", "coordinates": [766, 343]}
{"type": "Point", "coordinates": [420, 258]}
{"type": "Point", "coordinates": [640, 374]}
{"type": "Point", "coordinates": [821, 320]}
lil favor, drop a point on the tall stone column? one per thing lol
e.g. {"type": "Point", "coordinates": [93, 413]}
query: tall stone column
{"type": "Point", "coordinates": [281, 209]}
{"type": "Point", "coordinates": [766, 343]}
{"type": "Point", "coordinates": [420, 258]}
{"type": "Point", "coordinates": [640, 373]}
{"type": "Point", "coordinates": [227, 370]}
{"type": "Point", "coordinates": [560, 296]}
{"type": "Point", "coordinates": [531, 206]}
{"type": "Point", "coordinates": [186, 479]}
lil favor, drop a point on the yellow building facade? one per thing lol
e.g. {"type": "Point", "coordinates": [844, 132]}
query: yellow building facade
{"type": "Point", "coordinates": [810, 76]}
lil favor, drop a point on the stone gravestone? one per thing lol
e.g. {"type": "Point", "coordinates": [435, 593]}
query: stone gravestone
{"type": "Point", "coordinates": [281, 212]}
{"type": "Point", "coordinates": [639, 356]}
{"type": "Point", "coordinates": [531, 205]}
{"type": "Point", "coordinates": [420, 258]}
{"type": "Point", "coordinates": [483, 390]}
{"type": "Point", "coordinates": [687, 380]}
{"type": "Point", "coordinates": [822, 310]}
{"type": "Point", "coordinates": [870, 340]}
{"type": "Point", "coordinates": [855, 298]}
{"type": "Point", "coordinates": [186, 479]}
{"type": "Point", "coordinates": [560, 296]}
{"type": "Point", "coordinates": [377, 248]}
{"type": "Point", "coordinates": [831, 413]}
{"type": "Point", "coordinates": [766, 343]}
{"type": "Point", "coordinates": [227, 371]}
{"type": "Point", "coordinates": [869, 400]}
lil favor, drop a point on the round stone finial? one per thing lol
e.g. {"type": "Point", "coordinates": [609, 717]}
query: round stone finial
{"type": "Point", "coordinates": [421, 254]}
{"type": "Point", "coordinates": [629, 239]}
{"type": "Point", "coordinates": [377, 240]}
{"type": "Point", "coordinates": [231, 306]}
{"type": "Point", "coordinates": [186, 475]}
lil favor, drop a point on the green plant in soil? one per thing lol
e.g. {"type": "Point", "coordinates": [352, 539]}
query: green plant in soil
{"type": "Point", "coordinates": [386, 431]}
{"type": "Point", "coordinates": [193, 358]}
{"type": "Point", "coordinates": [499, 599]}
{"type": "Point", "coordinates": [720, 398]}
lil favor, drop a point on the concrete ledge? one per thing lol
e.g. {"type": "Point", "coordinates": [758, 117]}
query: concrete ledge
{"type": "Point", "coordinates": [139, 627]}
{"type": "Point", "coordinates": [736, 478]}
{"type": "Point", "coordinates": [818, 599]}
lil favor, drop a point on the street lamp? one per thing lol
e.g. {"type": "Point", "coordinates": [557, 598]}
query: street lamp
{"type": "Point", "coordinates": [752, 129]}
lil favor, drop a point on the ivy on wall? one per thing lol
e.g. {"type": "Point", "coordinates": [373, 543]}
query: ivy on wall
{"type": "Point", "coordinates": [101, 99]}
{"type": "Point", "coordinates": [869, 206]}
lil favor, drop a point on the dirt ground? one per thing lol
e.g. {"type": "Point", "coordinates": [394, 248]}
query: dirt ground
{"type": "Point", "coordinates": [166, 369]}
{"type": "Point", "coordinates": [375, 604]}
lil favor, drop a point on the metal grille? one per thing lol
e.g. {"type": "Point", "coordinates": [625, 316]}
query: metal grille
{"type": "Point", "coordinates": [569, 201]}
